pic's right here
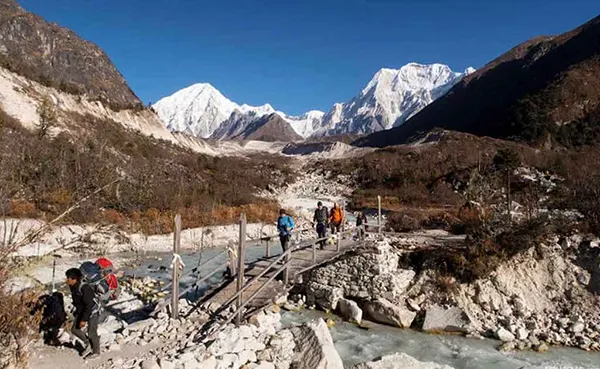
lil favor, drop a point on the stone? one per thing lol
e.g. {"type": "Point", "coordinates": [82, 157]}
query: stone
{"type": "Point", "coordinates": [507, 346]}
{"type": "Point", "coordinates": [385, 312]}
{"type": "Point", "coordinates": [350, 311]}
{"type": "Point", "coordinates": [397, 361]}
{"type": "Point", "coordinates": [165, 364]}
{"type": "Point", "coordinates": [314, 347]}
{"type": "Point", "coordinates": [577, 327]}
{"type": "Point", "coordinates": [228, 361]}
{"type": "Point", "coordinates": [209, 363]}
{"type": "Point", "coordinates": [247, 356]}
{"type": "Point", "coordinates": [452, 320]}
{"type": "Point", "coordinates": [193, 364]}
{"type": "Point", "coordinates": [542, 347]}
{"type": "Point", "coordinates": [114, 347]}
{"type": "Point", "coordinates": [504, 335]}
{"type": "Point", "coordinates": [413, 305]}
{"type": "Point", "coordinates": [265, 323]}
{"type": "Point", "coordinates": [141, 325]}
{"type": "Point", "coordinates": [522, 333]}
{"type": "Point", "coordinates": [149, 364]}
{"type": "Point", "coordinates": [281, 346]}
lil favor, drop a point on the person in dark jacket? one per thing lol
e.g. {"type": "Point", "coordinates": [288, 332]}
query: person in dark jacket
{"type": "Point", "coordinates": [53, 316]}
{"type": "Point", "coordinates": [285, 225]}
{"type": "Point", "coordinates": [361, 221]}
{"type": "Point", "coordinates": [320, 219]}
{"type": "Point", "coordinates": [86, 313]}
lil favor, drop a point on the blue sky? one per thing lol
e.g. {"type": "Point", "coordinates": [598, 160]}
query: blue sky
{"type": "Point", "coordinates": [300, 54]}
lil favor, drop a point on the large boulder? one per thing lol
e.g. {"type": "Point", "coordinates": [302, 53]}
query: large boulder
{"type": "Point", "coordinates": [399, 361]}
{"type": "Point", "coordinates": [386, 312]}
{"type": "Point", "coordinates": [350, 311]}
{"type": "Point", "coordinates": [314, 347]}
{"type": "Point", "coordinates": [452, 320]}
{"type": "Point", "coordinates": [504, 335]}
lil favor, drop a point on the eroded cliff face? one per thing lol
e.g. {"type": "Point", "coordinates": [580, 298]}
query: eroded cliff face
{"type": "Point", "coordinates": [55, 56]}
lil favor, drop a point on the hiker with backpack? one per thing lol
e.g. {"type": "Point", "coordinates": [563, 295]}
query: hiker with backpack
{"type": "Point", "coordinates": [321, 218]}
{"type": "Point", "coordinates": [336, 218]}
{"type": "Point", "coordinates": [87, 313]}
{"type": "Point", "coordinates": [285, 225]}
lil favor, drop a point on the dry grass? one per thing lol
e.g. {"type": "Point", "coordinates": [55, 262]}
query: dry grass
{"type": "Point", "coordinates": [41, 176]}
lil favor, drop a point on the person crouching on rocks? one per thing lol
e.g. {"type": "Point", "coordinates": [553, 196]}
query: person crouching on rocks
{"type": "Point", "coordinates": [87, 311]}
{"type": "Point", "coordinates": [53, 316]}
{"type": "Point", "coordinates": [336, 218]}
{"type": "Point", "coordinates": [320, 219]}
{"type": "Point", "coordinates": [285, 225]}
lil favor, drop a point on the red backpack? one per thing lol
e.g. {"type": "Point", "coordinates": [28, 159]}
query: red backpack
{"type": "Point", "coordinates": [106, 266]}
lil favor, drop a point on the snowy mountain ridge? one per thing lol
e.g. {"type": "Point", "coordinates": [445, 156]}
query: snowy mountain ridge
{"type": "Point", "coordinates": [388, 100]}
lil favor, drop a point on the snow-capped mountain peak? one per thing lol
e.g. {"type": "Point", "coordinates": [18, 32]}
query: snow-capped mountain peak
{"type": "Point", "coordinates": [200, 109]}
{"type": "Point", "coordinates": [390, 98]}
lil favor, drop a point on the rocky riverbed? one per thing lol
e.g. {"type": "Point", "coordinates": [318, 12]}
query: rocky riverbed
{"type": "Point", "coordinates": [532, 302]}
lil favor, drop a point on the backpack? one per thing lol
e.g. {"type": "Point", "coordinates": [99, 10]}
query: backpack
{"type": "Point", "coordinates": [106, 268]}
{"type": "Point", "coordinates": [93, 276]}
{"type": "Point", "coordinates": [321, 215]}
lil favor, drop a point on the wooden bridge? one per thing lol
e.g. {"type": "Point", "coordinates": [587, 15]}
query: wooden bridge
{"type": "Point", "coordinates": [256, 284]}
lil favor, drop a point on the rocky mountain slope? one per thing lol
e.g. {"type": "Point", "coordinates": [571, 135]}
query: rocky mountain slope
{"type": "Point", "coordinates": [57, 57]}
{"type": "Point", "coordinates": [533, 91]}
{"type": "Point", "coordinates": [391, 97]}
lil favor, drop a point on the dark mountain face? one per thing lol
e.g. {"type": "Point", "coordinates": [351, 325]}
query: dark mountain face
{"type": "Point", "coordinates": [534, 90]}
{"type": "Point", "coordinates": [57, 57]}
{"type": "Point", "coordinates": [269, 128]}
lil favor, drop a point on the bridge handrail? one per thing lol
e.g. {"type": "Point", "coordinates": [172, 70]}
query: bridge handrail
{"type": "Point", "coordinates": [288, 252]}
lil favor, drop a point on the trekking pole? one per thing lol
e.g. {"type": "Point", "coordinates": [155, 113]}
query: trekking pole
{"type": "Point", "coordinates": [54, 271]}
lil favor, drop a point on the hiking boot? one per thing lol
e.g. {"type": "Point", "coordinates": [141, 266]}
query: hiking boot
{"type": "Point", "coordinates": [86, 352]}
{"type": "Point", "coordinates": [93, 356]}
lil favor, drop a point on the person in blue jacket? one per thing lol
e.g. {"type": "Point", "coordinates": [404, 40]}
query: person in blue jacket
{"type": "Point", "coordinates": [285, 225]}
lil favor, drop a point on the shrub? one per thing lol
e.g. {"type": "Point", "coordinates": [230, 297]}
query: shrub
{"type": "Point", "coordinates": [483, 252]}
{"type": "Point", "coordinates": [159, 179]}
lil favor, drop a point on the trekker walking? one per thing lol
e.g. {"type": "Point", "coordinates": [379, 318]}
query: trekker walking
{"type": "Point", "coordinates": [285, 225]}
{"type": "Point", "coordinates": [336, 218]}
{"type": "Point", "coordinates": [87, 313]}
{"type": "Point", "coordinates": [361, 221]}
{"type": "Point", "coordinates": [320, 219]}
{"type": "Point", "coordinates": [231, 260]}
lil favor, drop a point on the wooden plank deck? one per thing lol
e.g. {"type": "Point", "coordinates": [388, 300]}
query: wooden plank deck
{"type": "Point", "coordinates": [301, 260]}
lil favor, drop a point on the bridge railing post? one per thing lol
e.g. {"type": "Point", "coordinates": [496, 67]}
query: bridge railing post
{"type": "Point", "coordinates": [175, 265]}
{"type": "Point", "coordinates": [314, 253]}
{"type": "Point", "coordinates": [240, 268]}
{"type": "Point", "coordinates": [286, 270]}
{"type": "Point", "coordinates": [268, 250]}
{"type": "Point", "coordinates": [338, 240]}
{"type": "Point", "coordinates": [379, 225]}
